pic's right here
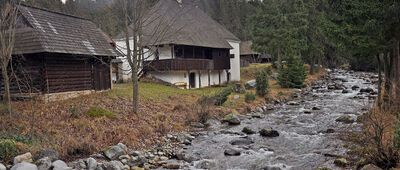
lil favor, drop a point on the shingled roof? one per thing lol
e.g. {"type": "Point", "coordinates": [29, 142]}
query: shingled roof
{"type": "Point", "coordinates": [41, 30]}
{"type": "Point", "coordinates": [245, 48]}
{"type": "Point", "coordinates": [170, 22]}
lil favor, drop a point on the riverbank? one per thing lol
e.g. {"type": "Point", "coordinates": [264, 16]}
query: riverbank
{"type": "Point", "coordinates": [67, 128]}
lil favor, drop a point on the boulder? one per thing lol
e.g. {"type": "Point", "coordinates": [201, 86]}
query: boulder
{"type": "Point", "coordinates": [239, 88]}
{"type": "Point", "coordinates": [345, 91]}
{"type": "Point", "coordinates": [316, 108]}
{"type": "Point", "coordinates": [242, 141]}
{"type": "Point", "coordinates": [185, 139]}
{"type": "Point", "coordinates": [250, 84]}
{"type": "Point", "coordinates": [24, 166]}
{"type": "Point", "coordinates": [27, 157]}
{"type": "Point", "coordinates": [137, 161]}
{"type": "Point", "coordinates": [269, 133]}
{"type": "Point", "coordinates": [257, 115]}
{"type": "Point", "coordinates": [2, 167]}
{"type": "Point", "coordinates": [113, 165]}
{"type": "Point", "coordinates": [293, 103]}
{"type": "Point", "coordinates": [248, 131]}
{"type": "Point", "coordinates": [114, 152]}
{"type": "Point", "coordinates": [275, 76]}
{"type": "Point", "coordinates": [232, 152]}
{"type": "Point", "coordinates": [44, 163]}
{"type": "Point", "coordinates": [232, 119]}
{"type": "Point", "coordinates": [236, 97]}
{"type": "Point", "coordinates": [91, 164]}
{"type": "Point", "coordinates": [355, 87]}
{"type": "Point", "coordinates": [345, 119]}
{"type": "Point", "coordinates": [172, 165]}
{"type": "Point", "coordinates": [60, 165]}
{"type": "Point", "coordinates": [197, 125]}
{"type": "Point", "coordinates": [80, 164]}
{"type": "Point", "coordinates": [367, 90]}
{"type": "Point", "coordinates": [341, 162]}
{"type": "Point", "coordinates": [205, 164]}
{"type": "Point", "coordinates": [53, 155]}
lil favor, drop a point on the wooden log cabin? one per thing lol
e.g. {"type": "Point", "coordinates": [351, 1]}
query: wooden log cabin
{"type": "Point", "coordinates": [248, 55]}
{"type": "Point", "coordinates": [56, 53]}
{"type": "Point", "coordinates": [186, 47]}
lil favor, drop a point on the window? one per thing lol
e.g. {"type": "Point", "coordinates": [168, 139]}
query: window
{"type": "Point", "coordinates": [232, 55]}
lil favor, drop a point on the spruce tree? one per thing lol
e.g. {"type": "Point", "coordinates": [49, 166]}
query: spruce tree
{"type": "Point", "coordinates": [293, 74]}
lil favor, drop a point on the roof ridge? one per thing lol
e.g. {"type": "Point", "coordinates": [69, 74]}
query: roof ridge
{"type": "Point", "coordinates": [55, 12]}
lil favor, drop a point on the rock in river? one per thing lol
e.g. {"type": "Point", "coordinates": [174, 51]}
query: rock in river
{"type": "Point", "coordinates": [232, 152]}
{"type": "Point", "coordinates": [114, 152]}
{"type": "Point", "coordinates": [242, 141]}
{"type": "Point", "coordinates": [269, 133]}
{"type": "Point", "coordinates": [341, 162]}
{"type": "Point", "coordinates": [248, 131]}
{"type": "Point", "coordinates": [232, 119]}
{"type": "Point", "coordinates": [345, 119]}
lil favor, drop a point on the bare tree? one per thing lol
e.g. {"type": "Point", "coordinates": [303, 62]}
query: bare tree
{"type": "Point", "coordinates": [135, 20]}
{"type": "Point", "coordinates": [8, 20]}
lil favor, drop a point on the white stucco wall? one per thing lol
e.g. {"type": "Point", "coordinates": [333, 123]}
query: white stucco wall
{"type": "Point", "coordinates": [182, 76]}
{"type": "Point", "coordinates": [235, 62]}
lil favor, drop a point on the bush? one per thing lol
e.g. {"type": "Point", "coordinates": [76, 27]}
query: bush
{"type": "Point", "coordinates": [97, 111]}
{"type": "Point", "coordinates": [262, 83]}
{"type": "Point", "coordinates": [203, 108]}
{"type": "Point", "coordinates": [222, 96]}
{"type": "Point", "coordinates": [9, 149]}
{"type": "Point", "coordinates": [293, 74]}
{"type": "Point", "coordinates": [249, 97]}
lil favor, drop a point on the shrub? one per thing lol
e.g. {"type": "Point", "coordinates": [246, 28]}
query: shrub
{"type": "Point", "coordinates": [4, 110]}
{"type": "Point", "coordinates": [97, 111]}
{"type": "Point", "coordinates": [262, 83]}
{"type": "Point", "coordinates": [178, 107]}
{"type": "Point", "coordinates": [203, 108]}
{"type": "Point", "coordinates": [268, 70]}
{"type": "Point", "coordinates": [293, 74]}
{"type": "Point", "coordinates": [222, 96]}
{"type": "Point", "coordinates": [9, 149]}
{"type": "Point", "coordinates": [74, 111]}
{"type": "Point", "coordinates": [249, 97]}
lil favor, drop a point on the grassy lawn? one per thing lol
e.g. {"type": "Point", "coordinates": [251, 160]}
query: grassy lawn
{"type": "Point", "coordinates": [66, 127]}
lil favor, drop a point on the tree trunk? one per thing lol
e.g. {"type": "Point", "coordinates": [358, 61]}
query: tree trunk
{"type": "Point", "coordinates": [396, 75]}
{"type": "Point", "coordinates": [279, 59]}
{"type": "Point", "coordinates": [134, 66]}
{"type": "Point", "coordinates": [6, 79]}
{"type": "Point", "coordinates": [312, 66]}
{"type": "Point", "coordinates": [388, 76]}
{"type": "Point", "coordinates": [379, 99]}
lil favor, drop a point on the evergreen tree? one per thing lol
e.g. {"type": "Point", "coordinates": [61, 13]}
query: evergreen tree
{"type": "Point", "coordinates": [293, 74]}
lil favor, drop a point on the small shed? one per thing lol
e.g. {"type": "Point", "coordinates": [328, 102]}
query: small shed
{"type": "Point", "coordinates": [248, 55]}
{"type": "Point", "coordinates": [56, 53]}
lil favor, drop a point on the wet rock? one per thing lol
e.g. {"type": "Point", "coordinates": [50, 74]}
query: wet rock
{"type": "Point", "coordinates": [53, 155]}
{"type": "Point", "coordinates": [250, 84]}
{"type": "Point", "coordinates": [330, 131]}
{"type": "Point", "coordinates": [124, 157]}
{"type": "Point", "coordinates": [271, 168]}
{"type": "Point", "coordinates": [293, 103]}
{"type": "Point", "coordinates": [185, 139]}
{"type": "Point", "coordinates": [24, 166]}
{"type": "Point", "coordinates": [27, 157]}
{"type": "Point", "coordinates": [80, 164]}
{"type": "Point", "coordinates": [114, 152]}
{"type": "Point", "coordinates": [316, 108]}
{"type": "Point", "coordinates": [205, 164]}
{"type": "Point", "coordinates": [242, 141]}
{"type": "Point", "coordinates": [367, 90]}
{"type": "Point", "coordinates": [345, 91]}
{"type": "Point", "coordinates": [239, 88]}
{"type": "Point", "coordinates": [113, 165]}
{"type": "Point", "coordinates": [248, 131]}
{"type": "Point", "coordinates": [307, 112]}
{"type": "Point", "coordinates": [44, 163]}
{"type": "Point", "coordinates": [370, 167]}
{"type": "Point", "coordinates": [91, 164]}
{"type": "Point", "coordinates": [269, 133]}
{"type": "Point", "coordinates": [257, 115]}
{"type": "Point", "coordinates": [341, 162]}
{"type": "Point", "coordinates": [60, 165]}
{"type": "Point", "coordinates": [345, 119]}
{"type": "Point", "coordinates": [355, 87]}
{"type": "Point", "coordinates": [232, 119]}
{"type": "Point", "coordinates": [232, 152]}
{"type": "Point", "coordinates": [2, 167]}
{"type": "Point", "coordinates": [172, 165]}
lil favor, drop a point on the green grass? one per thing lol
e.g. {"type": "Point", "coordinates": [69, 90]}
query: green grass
{"type": "Point", "coordinates": [97, 111]}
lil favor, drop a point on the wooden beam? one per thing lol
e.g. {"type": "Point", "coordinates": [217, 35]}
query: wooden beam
{"type": "Point", "coordinates": [209, 79]}
{"type": "Point", "coordinates": [199, 78]}
{"type": "Point", "coordinates": [219, 76]}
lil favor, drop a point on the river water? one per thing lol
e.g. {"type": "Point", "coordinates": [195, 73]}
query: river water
{"type": "Point", "coordinates": [303, 142]}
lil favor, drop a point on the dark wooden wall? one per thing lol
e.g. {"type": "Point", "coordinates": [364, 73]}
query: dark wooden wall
{"type": "Point", "coordinates": [54, 73]}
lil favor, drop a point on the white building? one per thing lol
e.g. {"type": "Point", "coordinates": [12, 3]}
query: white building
{"type": "Point", "coordinates": [187, 47]}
